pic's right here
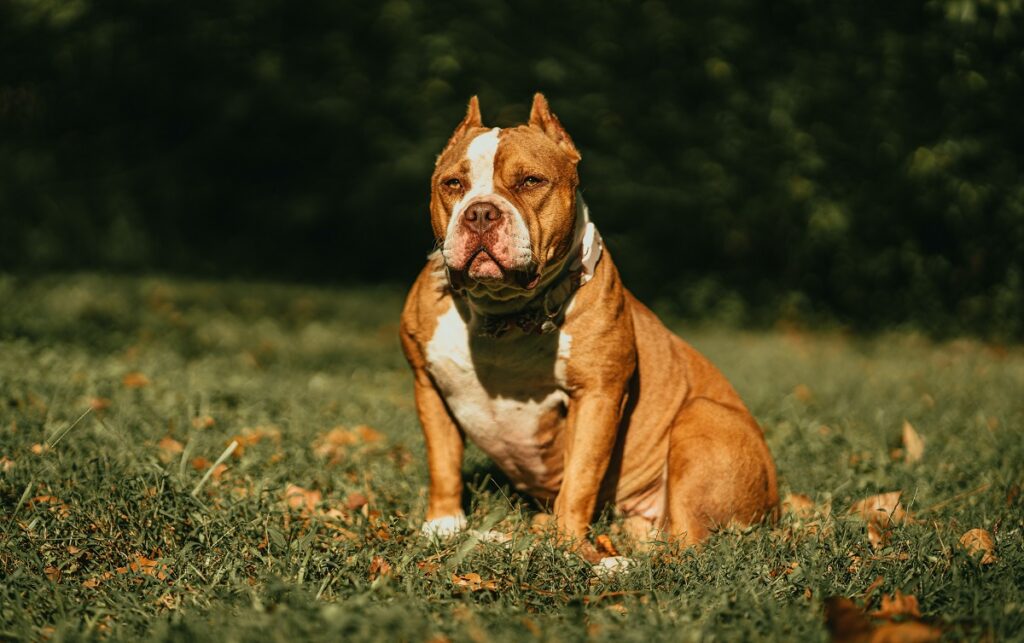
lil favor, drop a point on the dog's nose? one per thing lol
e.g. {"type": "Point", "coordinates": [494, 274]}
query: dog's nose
{"type": "Point", "coordinates": [481, 216]}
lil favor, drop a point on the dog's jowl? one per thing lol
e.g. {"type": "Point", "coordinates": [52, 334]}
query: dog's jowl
{"type": "Point", "coordinates": [523, 339]}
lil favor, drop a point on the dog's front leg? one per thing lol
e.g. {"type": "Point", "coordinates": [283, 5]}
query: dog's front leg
{"type": "Point", "coordinates": [593, 425]}
{"type": "Point", "coordinates": [445, 445]}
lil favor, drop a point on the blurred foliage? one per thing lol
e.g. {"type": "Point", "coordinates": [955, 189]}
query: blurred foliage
{"type": "Point", "coordinates": [746, 161]}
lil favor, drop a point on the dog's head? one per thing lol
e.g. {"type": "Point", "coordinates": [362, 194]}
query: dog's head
{"type": "Point", "coordinates": [503, 202]}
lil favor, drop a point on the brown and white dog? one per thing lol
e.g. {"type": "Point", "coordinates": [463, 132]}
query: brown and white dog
{"type": "Point", "coordinates": [523, 338]}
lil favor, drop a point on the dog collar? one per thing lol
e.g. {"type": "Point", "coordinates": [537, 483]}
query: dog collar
{"type": "Point", "coordinates": [548, 315]}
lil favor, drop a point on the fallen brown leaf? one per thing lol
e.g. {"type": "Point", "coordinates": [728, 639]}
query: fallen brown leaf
{"type": "Point", "coordinates": [979, 540]}
{"type": "Point", "coordinates": [6, 464]}
{"type": "Point", "coordinates": [305, 500]}
{"type": "Point", "coordinates": [355, 500]}
{"type": "Point", "coordinates": [135, 380]}
{"type": "Point", "coordinates": [913, 444]}
{"type": "Point", "coordinates": [332, 444]}
{"type": "Point", "coordinates": [1012, 493]}
{"type": "Point", "coordinates": [56, 505]}
{"type": "Point", "coordinates": [883, 509]}
{"type": "Point", "coordinates": [201, 463]}
{"type": "Point", "coordinates": [847, 623]}
{"type": "Point", "coordinates": [147, 566]}
{"type": "Point", "coordinates": [203, 422]}
{"type": "Point", "coordinates": [905, 632]}
{"type": "Point", "coordinates": [379, 567]}
{"type": "Point", "coordinates": [368, 434]}
{"type": "Point", "coordinates": [877, 536]}
{"type": "Point", "coordinates": [251, 436]}
{"type": "Point", "coordinates": [605, 546]}
{"type": "Point", "coordinates": [39, 449]}
{"type": "Point", "coordinates": [52, 573]}
{"type": "Point", "coordinates": [169, 447]}
{"type": "Point", "coordinates": [473, 582]}
{"type": "Point", "coordinates": [803, 393]}
{"type": "Point", "coordinates": [91, 583]}
{"type": "Point", "coordinates": [899, 604]}
{"type": "Point", "coordinates": [99, 404]}
{"type": "Point", "coordinates": [798, 505]}
{"type": "Point", "coordinates": [875, 584]}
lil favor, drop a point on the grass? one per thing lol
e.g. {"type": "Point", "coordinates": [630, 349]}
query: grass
{"type": "Point", "coordinates": [101, 535]}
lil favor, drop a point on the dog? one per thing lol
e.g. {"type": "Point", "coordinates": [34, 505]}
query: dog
{"type": "Point", "coordinates": [523, 338]}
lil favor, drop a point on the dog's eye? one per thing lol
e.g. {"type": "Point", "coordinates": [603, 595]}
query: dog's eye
{"type": "Point", "coordinates": [531, 181]}
{"type": "Point", "coordinates": [453, 184]}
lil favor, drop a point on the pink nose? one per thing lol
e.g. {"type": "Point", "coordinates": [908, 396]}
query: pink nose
{"type": "Point", "coordinates": [479, 217]}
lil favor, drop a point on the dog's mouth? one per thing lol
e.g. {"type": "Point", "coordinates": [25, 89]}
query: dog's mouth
{"type": "Point", "coordinates": [483, 267]}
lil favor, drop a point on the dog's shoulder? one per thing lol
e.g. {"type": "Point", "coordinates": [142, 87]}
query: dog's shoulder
{"type": "Point", "coordinates": [427, 300]}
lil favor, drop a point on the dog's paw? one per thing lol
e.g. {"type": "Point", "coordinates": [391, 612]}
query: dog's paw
{"type": "Point", "coordinates": [611, 565]}
{"type": "Point", "coordinates": [444, 527]}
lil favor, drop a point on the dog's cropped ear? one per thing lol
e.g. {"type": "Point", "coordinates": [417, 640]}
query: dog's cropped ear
{"type": "Point", "coordinates": [470, 121]}
{"type": "Point", "coordinates": [543, 118]}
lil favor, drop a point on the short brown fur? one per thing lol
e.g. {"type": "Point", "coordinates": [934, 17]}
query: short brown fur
{"type": "Point", "coordinates": [645, 408]}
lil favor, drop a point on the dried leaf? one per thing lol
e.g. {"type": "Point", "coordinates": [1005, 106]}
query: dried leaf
{"type": "Point", "coordinates": [848, 623]}
{"type": "Point", "coordinates": [531, 627]}
{"type": "Point", "coordinates": [798, 505]}
{"type": "Point", "coordinates": [52, 573]}
{"type": "Point", "coordinates": [875, 584]}
{"type": "Point", "coordinates": [99, 404]}
{"type": "Point", "coordinates": [355, 500]}
{"type": "Point", "coordinates": [332, 444]}
{"type": "Point", "coordinates": [473, 582]}
{"type": "Point", "coordinates": [135, 380]}
{"type": "Point", "coordinates": [57, 505]}
{"type": "Point", "coordinates": [147, 566]}
{"type": "Point", "coordinates": [251, 436]}
{"type": "Point", "coordinates": [606, 546]}
{"type": "Point", "coordinates": [913, 444]}
{"type": "Point", "coordinates": [200, 463]}
{"type": "Point", "coordinates": [803, 393]}
{"type": "Point", "coordinates": [305, 500]}
{"type": "Point", "coordinates": [6, 464]}
{"type": "Point", "coordinates": [883, 509]}
{"type": "Point", "coordinates": [169, 447]}
{"type": "Point", "coordinates": [91, 583]}
{"type": "Point", "coordinates": [979, 540]}
{"type": "Point", "coordinates": [368, 434]}
{"type": "Point", "coordinates": [1012, 493]}
{"type": "Point", "coordinates": [877, 536]}
{"type": "Point", "coordinates": [379, 567]}
{"type": "Point", "coordinates": [203, 422]}
{"type": "Point", "coordinates": [39, 449]}
{"type": "Point", "coordinates": [906, 632]}
{"type": "Point", "coordinates": [897, 605]}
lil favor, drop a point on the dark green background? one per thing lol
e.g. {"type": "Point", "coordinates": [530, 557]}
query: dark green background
{"type": "Point", "coordinates": [747, 161]}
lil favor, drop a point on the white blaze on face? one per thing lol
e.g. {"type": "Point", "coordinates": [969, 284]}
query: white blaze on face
{"type": "Point", "coordinates": [480, 154]}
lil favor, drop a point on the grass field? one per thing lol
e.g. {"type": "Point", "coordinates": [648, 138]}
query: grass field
{"type": "Point", "coordinates": [308, 530]}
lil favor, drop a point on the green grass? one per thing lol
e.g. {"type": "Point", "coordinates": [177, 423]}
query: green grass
{"type": "Point", "coordinates": [237, 564]}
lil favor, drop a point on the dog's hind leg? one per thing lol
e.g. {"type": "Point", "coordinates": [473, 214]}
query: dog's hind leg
{"type": "Point", "coordinates": [720, 471]}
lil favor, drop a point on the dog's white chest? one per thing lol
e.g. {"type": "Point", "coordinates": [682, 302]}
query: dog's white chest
{"type": "Point", "coordinates": [507, 394]}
